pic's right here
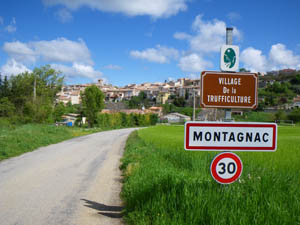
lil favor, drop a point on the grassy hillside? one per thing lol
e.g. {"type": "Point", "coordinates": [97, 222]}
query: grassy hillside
{"type": "Point", "coordinates": [15, 140]}
{"type": "Point", "coordinates": [166, 185]}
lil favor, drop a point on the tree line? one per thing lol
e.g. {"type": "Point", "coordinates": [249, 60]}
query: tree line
{"type": "Point", "coordinates": [30, 97]}
{"type": "Point", "coordinates": [280, 89]}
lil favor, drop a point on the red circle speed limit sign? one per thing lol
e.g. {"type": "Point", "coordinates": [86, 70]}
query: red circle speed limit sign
{"type": "Point", "coordinates": [226, 168]}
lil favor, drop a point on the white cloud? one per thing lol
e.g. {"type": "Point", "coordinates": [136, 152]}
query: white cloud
{"type": "Point", "coordinates": [254, 60]}
{"type": "Point", "coordinates": [1, 20]}
{"type": "Point", "coordinates": [284, 58]}
{"type": "Point", "coordinates": [153, 8]}
{"type": "Point", "coordinates": [63, 50]}
{"type": "Point", "coordinates": [113, 67]}
{"type": "Point", "coordinates": [193, 63]}
{"type": "Point", "coordinates": [209, 35]}
{"type": "Point", "coordinates": [279, 58]}
{"type": "Point", "coordinates": [11, 28]}
{"type": "Point", "coordinates": [64, 15]}
{"type": "Point", "coordinates": [20, 51]}
{"type": "Point", "coordinates": [233, 16]}
{"type": "Point", "coordinates": [182, 36]}
{"type": "Point", "coordinates": [12, 67]}
{"type": "Point", "coordinates": [193, 76]}
{"type": "Point", "coordinates": [58, 50]}
{"type": "Point", "coordinates": [60, 53]}
{"type": "Point", "coordinates": [160, 54]}
{"type": "Point", "coordinates": [78, 70]}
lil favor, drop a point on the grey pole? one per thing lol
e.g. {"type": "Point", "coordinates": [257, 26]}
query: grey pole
{"type": "Point", "coordinates": [34, 89]}
{"type": "Point", "coordinates": [194, 107]}
{"type": "Point", "coordinates": [229, 31]}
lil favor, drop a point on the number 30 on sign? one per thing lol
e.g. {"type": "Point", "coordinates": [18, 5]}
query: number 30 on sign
{"type": "Point", "coordinates": [226, 168]}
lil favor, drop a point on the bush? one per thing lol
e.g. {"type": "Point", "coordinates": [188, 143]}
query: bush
{"type": "Point", "coordinates": [153, 119]}
{"type": "Point", "coordinates": [256, 117]}
{"type": "Point", "coordinates": [295, 115]}
{"type": "Point", "coordinates": [280, 115]}
{"type": "Point", "coordinates": [119, 120]}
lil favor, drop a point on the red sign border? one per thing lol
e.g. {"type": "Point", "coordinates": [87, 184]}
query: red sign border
{"type": "Point", "coordinates": [234, 148]}
{"type": "Point", "coordinates": [215, 161]}
{"type": "Point", "coordinates": [254, 106]}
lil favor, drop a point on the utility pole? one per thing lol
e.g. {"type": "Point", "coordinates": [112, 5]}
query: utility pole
{"type": "Point", "coordinates": [194, 108]}
{"type": "Point", "coordinates": [229, 31]}
{"type": "Point", "coordinates": [34, 89]}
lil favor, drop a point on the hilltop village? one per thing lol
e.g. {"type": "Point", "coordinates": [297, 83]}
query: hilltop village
{"type": "Point", "coordinates": [158, 92]}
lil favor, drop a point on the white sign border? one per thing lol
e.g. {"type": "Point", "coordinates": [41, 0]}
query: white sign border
{"type": "Point", "coordinates": [237, 54]}
{"type": "Point", "coordinates": [226, 149]}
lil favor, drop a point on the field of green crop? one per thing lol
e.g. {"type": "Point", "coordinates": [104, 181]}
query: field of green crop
{"type": "Point", "coordinates": [164, 184]}
{"type": "Point", "coordinates": [18, 139]}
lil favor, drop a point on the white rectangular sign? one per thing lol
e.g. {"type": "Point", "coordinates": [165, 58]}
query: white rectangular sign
{"type": "Point", "coordinates": [211, 136]}
{"type": "Point", "coordinates": [229, 60]}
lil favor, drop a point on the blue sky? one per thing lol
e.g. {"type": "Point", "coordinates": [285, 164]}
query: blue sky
{"type": "Point", "coordinates": [136, 41]}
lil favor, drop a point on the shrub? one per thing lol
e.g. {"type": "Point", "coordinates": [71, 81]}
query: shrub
{"type": "Point", "coordinates": [118, 120]}
{"type": "Point", "coordinates": [280, 115]}
{"type": "Point", "coordinates": [295, 115]}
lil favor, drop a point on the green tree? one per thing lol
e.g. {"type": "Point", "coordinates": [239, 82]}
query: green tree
{"type": "Point", "coordinates": [139, 101]}
{"type": "Point", "coordinates": [1, 85]}
{"type": "Point", "coordinates": [6, 107]}
{"type": "Point", "coordinates": [21, 91]}
{"type": "Point", "coordinates": [93, 103]}
{"type": "Point", "coordinates": [153, 119]}
{"type": "Point", "coordinates": [124, 119]}
{"type": "Point", "coordinates": [33, 94]}
{"type": "Point", "coordinates": [296, 79]}
{"type": "Point", "coordinates": [295, 115]}
{"type": "Point", "coordinates": [48, 82]}
{"type": "Point", "coordinates": [179, 102]}
{"type": "Point", "coordinates": [5, 87]}
{"type": "Point", "coordinates": [59, 111]}
{"type": "Point", "coordinates": [277, 93]}
{"type": "Point", "coordinates": [280, 115]}
{"type": "Point", "coordinates": [244, 70]}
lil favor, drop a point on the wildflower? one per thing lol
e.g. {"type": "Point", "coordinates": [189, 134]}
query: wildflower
{"type": "Point", "coordinates": [241, 181]}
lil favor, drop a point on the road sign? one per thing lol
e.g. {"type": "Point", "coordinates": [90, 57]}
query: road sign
{"type": "Point", "coordinates": [229, 58]}
{"type": "Point", "coordinates": [228, 90]}
{"type": "Point", "coordinates": [226, 168]}
{"type": "Point", "coordinates": [212, 136]}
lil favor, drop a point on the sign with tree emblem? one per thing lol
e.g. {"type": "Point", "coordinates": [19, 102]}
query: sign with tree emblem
{"type": "Point", "coordinates": [229, 58]}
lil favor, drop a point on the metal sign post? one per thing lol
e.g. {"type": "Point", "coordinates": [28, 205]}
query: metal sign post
{"type": "Point", "coordinates": [228, 89]}
{"type": "Point", "coordinates": [229, 32]}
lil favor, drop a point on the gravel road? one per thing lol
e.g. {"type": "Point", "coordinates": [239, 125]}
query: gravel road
{"type": "Point", "coordinates": [73, 182]}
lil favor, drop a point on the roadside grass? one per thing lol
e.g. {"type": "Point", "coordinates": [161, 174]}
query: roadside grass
{"type": "Point", "coordinates": [164, 184]}
{"type": "Point", "coordinates": [18, 139]}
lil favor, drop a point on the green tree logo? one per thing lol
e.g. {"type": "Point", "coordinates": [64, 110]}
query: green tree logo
{"type": "Point", "coordinates": [229, 58]}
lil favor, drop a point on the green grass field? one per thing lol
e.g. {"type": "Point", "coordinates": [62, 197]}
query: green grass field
{"type": "Point", "coordinates": [16, 140]}
{"type": "Point", "coordinates": [164, 184]}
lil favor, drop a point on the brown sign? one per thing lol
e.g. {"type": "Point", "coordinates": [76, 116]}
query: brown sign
{"type": "Point", "coordinates": [228, 90]}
